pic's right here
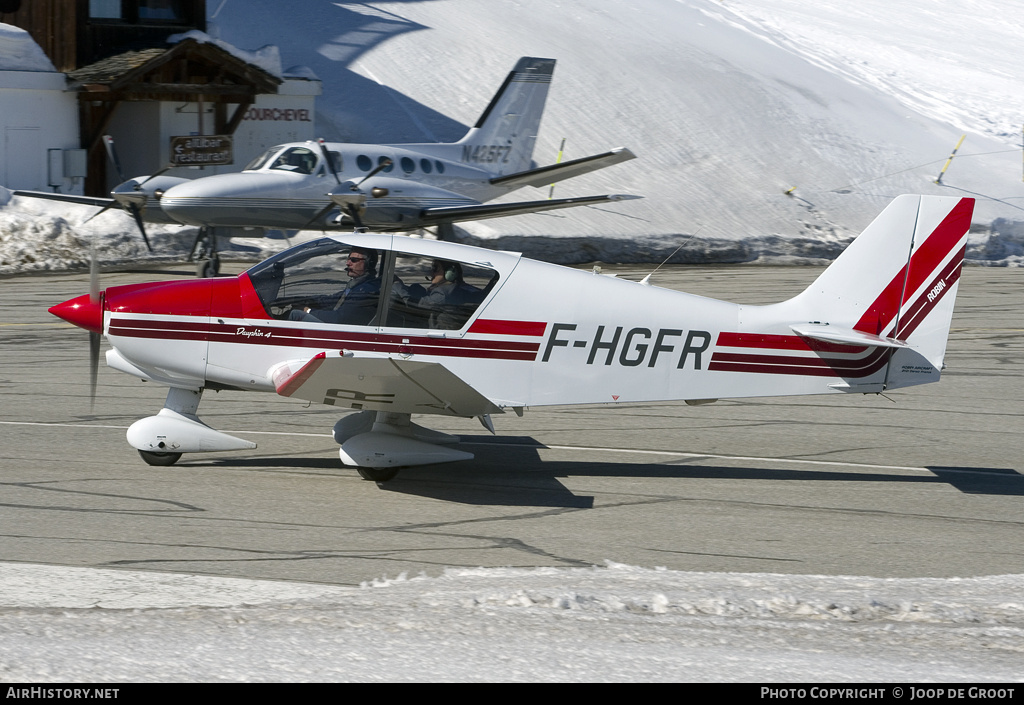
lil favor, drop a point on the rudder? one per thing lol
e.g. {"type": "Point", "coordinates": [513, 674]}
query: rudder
{"type": "Point", "coordinates": [502, 140]}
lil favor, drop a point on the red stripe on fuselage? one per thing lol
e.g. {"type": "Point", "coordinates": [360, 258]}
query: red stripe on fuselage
{"type": "Point", "coordinates": [784, 342]}
{"type": "Point", "coordinates": [499, 327]}
{"type": "Point", "coordinates": [878, 317]}
{"type": "Point", "coordinates": [255, 334]}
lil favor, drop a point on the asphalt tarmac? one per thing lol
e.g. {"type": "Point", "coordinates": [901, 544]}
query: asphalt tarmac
{"type": "Point", "coordinates": [923, 482]}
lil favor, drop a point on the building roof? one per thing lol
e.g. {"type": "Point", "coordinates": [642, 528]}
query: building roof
{"type": "Point", "coordinates": [183, 71]}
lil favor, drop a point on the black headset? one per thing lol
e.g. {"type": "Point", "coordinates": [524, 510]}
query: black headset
{"type": "Point", "coordinates": [371, 258]}
{"type": "Point", "coordinates": [452, 270]}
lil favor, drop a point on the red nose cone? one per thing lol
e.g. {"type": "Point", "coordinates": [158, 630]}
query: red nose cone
{"type": "Point", "coordinates": [83, 311]}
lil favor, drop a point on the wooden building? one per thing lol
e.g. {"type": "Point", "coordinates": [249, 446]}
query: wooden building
{"type": "Point", "coordinates": [189, 72]}
{"type": "Point", "coordinates": [131, 83]}
{"type": "Point", "coordinates": [76, 33]}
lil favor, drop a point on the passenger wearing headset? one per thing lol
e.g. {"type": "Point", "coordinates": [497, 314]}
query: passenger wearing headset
{"type": "Point", "coordinates": [450, 299]}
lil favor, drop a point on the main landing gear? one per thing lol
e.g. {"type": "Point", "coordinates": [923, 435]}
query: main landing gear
{"type": "Point", "coordinates": [376, 443]}
{"type": "Point", "coordinates": [204, 253]}
{"type": "Point", "coordinates": [379, 443]}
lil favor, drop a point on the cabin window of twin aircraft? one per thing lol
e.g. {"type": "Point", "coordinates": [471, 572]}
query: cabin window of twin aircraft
{"type": "Point", "coordinates": [301, 160]}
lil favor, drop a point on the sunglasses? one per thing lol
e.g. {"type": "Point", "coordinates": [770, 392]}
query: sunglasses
{"type": "Point", "coordinates": [356, 259]}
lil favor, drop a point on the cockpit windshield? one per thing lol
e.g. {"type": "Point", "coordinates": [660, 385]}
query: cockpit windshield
{"type": "Point", "coordinates": [325, 281]}
{"type": "Point", "coordinates": [260, 161]}
{"type": "Point", "coordinates": [299, 160]}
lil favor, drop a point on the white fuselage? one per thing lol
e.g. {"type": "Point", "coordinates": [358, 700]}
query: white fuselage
{"type": "Point", "coordinates": [296, 196]}
{"type": "Point", "coordinates": [543, 335]}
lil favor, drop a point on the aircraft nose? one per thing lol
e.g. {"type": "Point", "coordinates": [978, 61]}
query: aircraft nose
{"type": "Point", "coordinates": [84, 311]}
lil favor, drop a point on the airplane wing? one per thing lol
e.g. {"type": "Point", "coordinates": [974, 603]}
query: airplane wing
{"type": "Point", "coordinates": [497, 210]}
{"type": "Point", "coordinates": [380, 384]}
{"type": "Point", "coordinates": [68, 198]}
{"type": "Point", "coordinates": [566, 170]}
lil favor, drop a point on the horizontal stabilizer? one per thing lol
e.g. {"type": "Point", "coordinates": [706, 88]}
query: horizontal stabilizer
{"type": "Point", "coordinates": [68, 198]}
{"type": "Point", "coordinates": [566, 170]}
{"type": "Point", "coordinates": [497, 210]}
{"type": "Point", "coordinates": [380, 384]}
{"type": "Point", "coordinates": [847, 336]}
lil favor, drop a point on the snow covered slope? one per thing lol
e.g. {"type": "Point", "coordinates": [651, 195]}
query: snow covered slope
{"type": "Point", "coordinates": [728, 105]}
{"type": "Point", "coordinates": [771, 129]}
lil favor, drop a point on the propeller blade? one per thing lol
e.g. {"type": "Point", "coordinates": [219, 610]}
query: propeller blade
{"type": "Point", "coordinates": [94, 272]}
{"type": "Point", "coordinates": [101, 211]}
{"type": "Point", "coordinates": [108, 142]}
{"type": "Point", "coordinates": [94, 338]}
{"type": "Point", "coordinates": [320, 214]}
{"type": "Point", "coordinates": [153, 176]}
{"type": "Point", "coordinates": [354, 214]}
{"type": "Point", "coordinates": [137, 214]}
{"type": "Point", "coordinates": [94, 366]}
{"type": "Point", "coordinates": [384, 164]}
{"type": "Point", "coordinates": [328, 160]}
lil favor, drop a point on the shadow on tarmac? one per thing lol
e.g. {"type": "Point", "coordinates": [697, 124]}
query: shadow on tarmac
{"type": "Point", "coordinates": [514, 474]}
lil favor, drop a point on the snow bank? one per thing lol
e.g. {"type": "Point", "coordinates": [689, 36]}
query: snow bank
{"type": "Point", "coordinates": [611, 623]}
{"type": "Point", "coordinates": [19, 52]}
{"type": "Point", "coordinates": [267, 57]}
{"type": "Point", "coordinates": [47, 236]}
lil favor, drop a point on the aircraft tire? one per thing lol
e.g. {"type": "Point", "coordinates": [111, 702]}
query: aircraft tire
{"type": "Point", "coordinates": [161, 459]}
{"type": "Point", "coordinates": [375, 474]}
{"type": "Point", "coordinates": [207, 268]}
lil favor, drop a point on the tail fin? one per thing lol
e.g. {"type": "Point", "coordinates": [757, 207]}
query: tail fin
{"type": "Point", "coordinates": [894, 287]}
{"type": "Point", "coordinates": [502, 139]}
{"type": "Point", "coordinates": [877, 318]}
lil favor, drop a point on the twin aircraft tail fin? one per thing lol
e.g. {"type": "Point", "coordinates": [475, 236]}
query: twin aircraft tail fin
{"type": "Point", "coordinates": [503, 138]}
{"type": "Point", "coordinates": [893, 288]}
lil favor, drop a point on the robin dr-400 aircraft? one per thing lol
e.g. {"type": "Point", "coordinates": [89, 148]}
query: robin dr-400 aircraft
{"type": "Point", "coordinates": [399, 187]}
{"type": "Point", "coordinates": [342, 321]}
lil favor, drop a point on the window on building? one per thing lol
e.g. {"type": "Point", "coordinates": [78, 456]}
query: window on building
{"type": "Point", "coordinates": [162, 10]}
{"type": "Point", "coordinates": [105, 9]}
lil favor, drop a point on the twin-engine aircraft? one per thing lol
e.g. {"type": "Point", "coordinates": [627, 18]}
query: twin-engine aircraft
{"type": "Point", "coordinates": [393, 326]}
{"type": "Point", "coordinates": [398, 187]}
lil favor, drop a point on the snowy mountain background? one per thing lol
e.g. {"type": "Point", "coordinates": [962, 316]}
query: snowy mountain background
{"type": "Point", "coordinates": [766, 130]}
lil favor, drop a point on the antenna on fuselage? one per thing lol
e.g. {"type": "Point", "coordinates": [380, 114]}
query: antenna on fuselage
{"type": "Point", "coordinates": [646, 281]}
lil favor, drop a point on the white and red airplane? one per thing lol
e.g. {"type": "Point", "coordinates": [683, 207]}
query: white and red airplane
{"type": "Point", "coordinates": [394, 326]}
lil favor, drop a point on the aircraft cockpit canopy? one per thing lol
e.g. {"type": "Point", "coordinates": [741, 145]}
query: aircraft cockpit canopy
{"type": "Point", "coordinates": [327, 281]}
{"type": "Point", "coordinates": [294, 159]}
